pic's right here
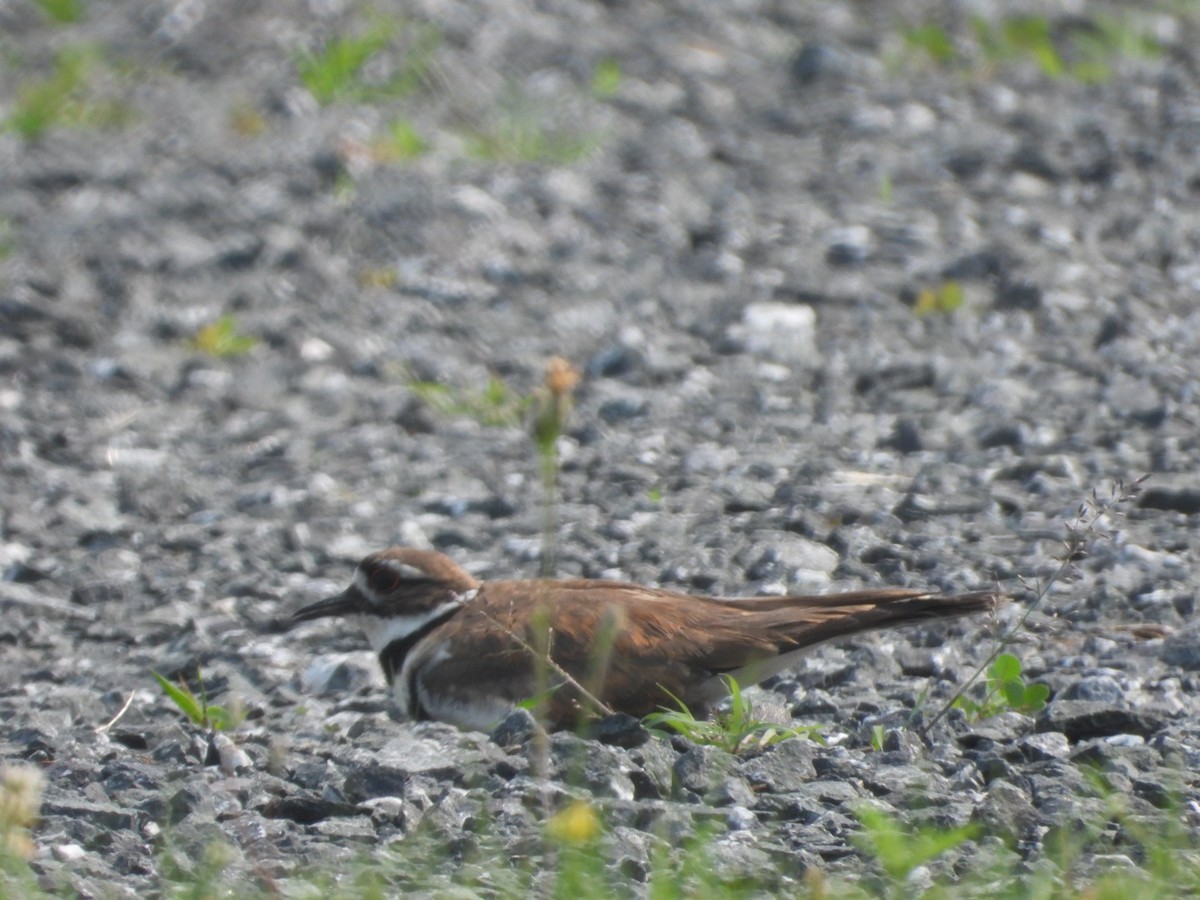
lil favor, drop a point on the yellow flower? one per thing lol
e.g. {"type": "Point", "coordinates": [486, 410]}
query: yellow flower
{"type": "Point", "coordinates": [579, 823]}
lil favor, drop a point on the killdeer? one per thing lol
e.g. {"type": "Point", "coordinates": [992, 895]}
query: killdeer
{"type": "Point", "coordinates": [466, 652]}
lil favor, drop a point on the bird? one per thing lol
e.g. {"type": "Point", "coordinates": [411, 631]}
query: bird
{"type": "Point", "coordinates": [466, 652]}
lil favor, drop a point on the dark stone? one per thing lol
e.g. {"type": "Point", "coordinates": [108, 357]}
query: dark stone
{"type": "Point", "coordinates": [966, 163]}
{"type": "Point", "coordinates": [818, 62]}
{"type": "Point", "coordinates": [372, 780]}
{"type": "Point", "coordinates": [1184, 500]}
{"type": "Point", "coordinates": [1007, 435]}
{"type": "Point", "coordinates": [125, 775]}
{"type": "Point", "coordinates": [1018, 295]}
{"type": "Point", "coordinates": [843, 254]}
{"type": "Point", "coordinates": [979, 266]}
{"type": "Point", "coordinates": [622, 409]}
{"type": "Point", "coordinates": [306, 808]}
{"type": "Point", "coordinates": [1082, 719]}
{"type": "Point", "coordinates": [1045, 745]}
{"type": "Point", "coordinates": [515, 730]}
{"type": "Point", "coordinates": [702, 769]}
{"type": "Point", "coordinates": [619, 730]}
{"type": "Point", "coordinates": [784, 767]}
{"type": "Point", "coordinates": [598, 767]}
{"type": "Point", "coordinates": [613, 362]}
{"type": "Point", "coordinates": [1031, 160]}
{"type": "Point", "coordinates": [905, 437]}
{"type": "Point", "coordinates": [1004, 728]}
{"type": "Point", "coordinates": [1006, 810]}
{"type": "Point", "coordinates": [1111, 328]}
{"type": "Point", "coordinates": [106, 815]}
{"type": "Point", "coordinates": [1182, 649]}
{"type": "Point", "coordinates": [902, 377]}
{"type": "Point", "coordinates": [1098, 688]}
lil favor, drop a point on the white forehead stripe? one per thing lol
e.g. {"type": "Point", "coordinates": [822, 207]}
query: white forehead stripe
{"type": "Point", "coordinates": [404, 570]}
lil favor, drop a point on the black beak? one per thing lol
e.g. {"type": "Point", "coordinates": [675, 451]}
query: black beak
{"type": "Point", "coordinates": [346, 603]}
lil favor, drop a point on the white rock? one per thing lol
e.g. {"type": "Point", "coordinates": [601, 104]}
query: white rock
{"type": "Point", "coordinates": [786, 332]}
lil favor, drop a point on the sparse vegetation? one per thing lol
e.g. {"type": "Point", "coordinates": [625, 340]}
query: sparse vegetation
{"type": "Point", "coordinates": [520, 138]}
{"type": "Point", "coordinates": [66, 97]}
{"type": "Point", "coordinates": [734, 730]}
{"type": "Point", "coordinates": [20, 799]}
{"type": "Point", "coordinates": [62, 11]}
{"type": "Point", "coordinates": [1005, 689]}
{"type": "Point", "coordinates": [222, 338]}
{"type": "Point", "coordinates": [247, 121]}
{"type": "Point", "coordinates": [899, 849]}
{"type": "Point", "coordinates": [401, 142]}
{"type": "Point", "coordinates": [1082, 49]}
{"type": "Point", "coordinates": [341, 70]}
{"type": "Point", "coordinates": [494, 405]}
{"type": "Point", "coordinates": [943, 299]}
{"type": "Point", "coordinates": [8, 237]}
{"type": "Point", "coordinates": [198, 710]}
{"type": "Point", "coordinates": [606, 79]}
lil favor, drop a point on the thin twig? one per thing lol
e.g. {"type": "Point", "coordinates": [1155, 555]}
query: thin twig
{"type": "Point", "coordinates": [115, 719]}
{"type": "Point", "coordinates": [567, 677]}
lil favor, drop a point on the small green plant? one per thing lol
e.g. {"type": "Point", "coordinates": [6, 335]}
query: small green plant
{"type": "Point", "coordinates": [1005, 689]}
{"type": "Point", "coordinates": [1020, 36]}
{"type": "Point", "coordinates": [246, 121]}
{"type": "Point", "coordinates": [62, 11]}
{"type": "Point", "coordinates": [945, 299]}
{"type": "Point", "coordinates": [899, 849]}
{"type": "Point", "coordinates": [606, 79]}
{"type": "Point", "coordinates": [878, 733]}
{"type": "Point", "coordinates": [934, 41]}
{"type": "Point", "coordinates": [1081, 49]}
{"type": "Point", "coordinates": [334, 72]}
{"type": "Point", "coordinates": [221, 338]}
{"type": "Point", "coordinates": [402, 142]}
{"type": "Point", "coordinates": [8, 237]}
{"type": "Point", "coordinates": [64, 98]}
{"type": "Point", "coordinates": [338, 72]}
{"type": "Point", "coordinates": [495, 405]}
{"type": "Point", "coordinates": [198, 709]}
{"type": "Point", "coordinates": [734, 730]}
{"type": "Point", "coordinates": [885, 188]}
{"type": "Point", "coordinates": [20, 800]}
{"type": "Point", "coordinates": [383, 278]}
{"type": "Point", "coordinates": [519, 138]}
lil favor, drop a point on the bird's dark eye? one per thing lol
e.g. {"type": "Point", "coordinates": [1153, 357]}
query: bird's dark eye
{"type": "Point", "coordinates": [384, 580]}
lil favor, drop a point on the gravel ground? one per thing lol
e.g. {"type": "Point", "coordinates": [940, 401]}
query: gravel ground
{"type": "Point", "coordinates": [731, 217]}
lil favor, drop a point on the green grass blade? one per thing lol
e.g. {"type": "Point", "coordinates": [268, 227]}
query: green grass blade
{"type": "Point", "coordinates": [183, 698]}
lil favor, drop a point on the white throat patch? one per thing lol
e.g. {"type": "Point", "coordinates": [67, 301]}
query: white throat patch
{"type": "Point", "coordinates": [383, 630]}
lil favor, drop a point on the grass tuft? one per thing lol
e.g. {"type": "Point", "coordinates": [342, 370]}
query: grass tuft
{"type": "Point", "coordinates": [1082, 49]}
{"type": "Point", "coordinates": [221, 338]}
{"type": "Point", "coordinates": [66, 97]}
{"type": "Point", "coordinates": [64, 12]}
{"type": "Point", "coordinates": [197, 708]}
{"type": "Point", "coordinates": [734, 730]}
{"type": "Point", "coordinates": [520, 138]}
{"type": "Point", "coordinates": [340, 71]}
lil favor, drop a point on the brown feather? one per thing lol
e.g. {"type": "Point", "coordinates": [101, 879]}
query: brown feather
{"type": "Point", "coordinates": [669, 644]}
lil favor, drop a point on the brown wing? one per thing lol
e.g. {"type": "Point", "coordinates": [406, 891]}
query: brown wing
{"type": "Point", "coordinates": [635, 648]}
